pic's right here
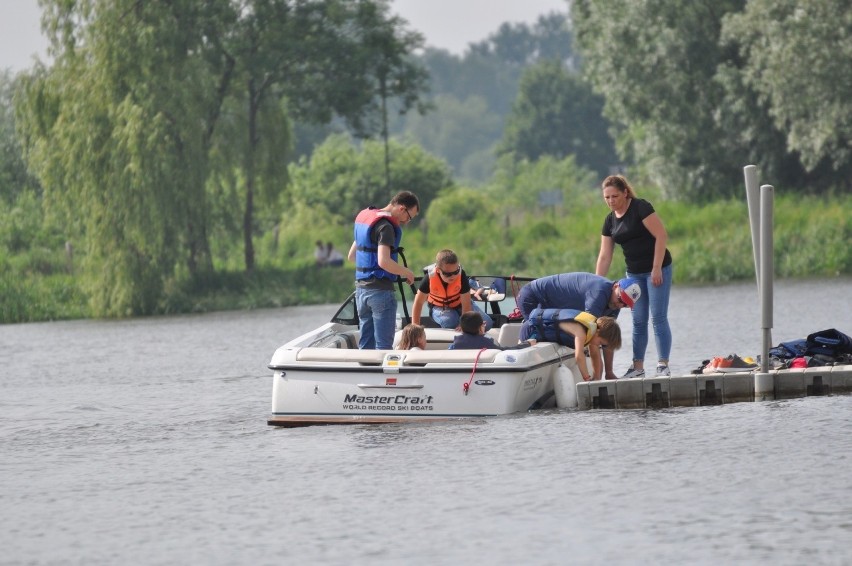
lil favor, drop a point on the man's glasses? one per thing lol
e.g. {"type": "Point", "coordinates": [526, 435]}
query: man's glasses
{"type": "Point", "coordinates": [407, 213]}
{"type": "Point", "coordinates": [451, 273]}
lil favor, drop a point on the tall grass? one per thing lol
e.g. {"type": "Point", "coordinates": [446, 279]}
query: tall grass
{"type": "Point", "coordinates": [710, 244]}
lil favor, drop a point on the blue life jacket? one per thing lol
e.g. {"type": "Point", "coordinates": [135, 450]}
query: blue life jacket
{"type": "Point", "coordinates": [543, 325]}
{"type": "Point", "coordinates": [366, 251]}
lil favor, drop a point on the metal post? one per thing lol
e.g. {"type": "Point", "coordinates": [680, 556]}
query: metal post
{"type": "Point", "coordinates": [753, 199]}
{"type": "Point", "coordinates": [764, 382]}
{"type": "Point", "coordinates": [767, 269]}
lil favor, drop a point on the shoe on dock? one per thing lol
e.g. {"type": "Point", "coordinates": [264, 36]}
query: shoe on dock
{"type": "Point", "coordinates": [663, 370]}
{"type": "Point", "coordinates": [730, 363]}
{"type": "Point", "coordinates": [633, 373]}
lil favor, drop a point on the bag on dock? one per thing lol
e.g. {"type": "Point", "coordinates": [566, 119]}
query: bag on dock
{"type": "Point", "coordinates": [831, 342]}
{"type": "Point", "coordinates": [790, 349]}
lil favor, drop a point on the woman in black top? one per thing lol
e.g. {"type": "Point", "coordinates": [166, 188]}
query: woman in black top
{"type": "Point", "coordinates": [635, 226]}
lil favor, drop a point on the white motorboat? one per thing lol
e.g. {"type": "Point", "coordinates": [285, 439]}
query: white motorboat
{"type": "Point", "coordinates": [322, 377]}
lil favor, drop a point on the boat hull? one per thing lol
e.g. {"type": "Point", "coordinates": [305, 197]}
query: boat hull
{"type": "Point", "coordinates": [370, 387]}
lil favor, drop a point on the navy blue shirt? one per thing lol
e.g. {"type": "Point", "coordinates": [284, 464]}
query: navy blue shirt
{"type": "Point", "coordinates": [579, 291]}
{"type": "Point", "coordinates": [465, 341]}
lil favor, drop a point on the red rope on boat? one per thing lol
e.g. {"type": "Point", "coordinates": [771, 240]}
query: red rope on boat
{"type": "Point", "coordinates": [466, 386]}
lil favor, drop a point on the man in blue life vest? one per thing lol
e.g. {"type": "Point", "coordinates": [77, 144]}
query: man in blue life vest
{"type": "Point", "coordinates": [581, 291]}
{"type": "Point", "coordinates": [446, 289]}
{"type": "Point", "coordinates": [378, 234]}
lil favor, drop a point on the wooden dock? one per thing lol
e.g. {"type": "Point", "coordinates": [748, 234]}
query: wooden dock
{"type": "Point", "coordinates": [713, 388]}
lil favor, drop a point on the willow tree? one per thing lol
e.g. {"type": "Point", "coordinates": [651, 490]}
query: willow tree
{"type": "Point", "coordinates": [118, 130]}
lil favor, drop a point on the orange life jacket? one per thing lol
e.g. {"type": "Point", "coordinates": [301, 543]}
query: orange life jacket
{"type": "Point", "coordinates": [445, 297]}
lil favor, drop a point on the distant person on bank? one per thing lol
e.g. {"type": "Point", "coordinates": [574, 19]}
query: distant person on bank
{"type": "Point", "coordinates": [320, 254]}
{"type": "Point", "coordinates": [635, 226]}
{"type": "Point", "coordinates": [375, 250]}
{"type": "Point", "coordinates": [333, 258]}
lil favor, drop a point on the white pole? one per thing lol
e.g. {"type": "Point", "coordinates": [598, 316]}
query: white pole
{"type": "Point", "coordinates": [764, 382]}
{"type": "Point", "coordinates": [767, 270]}
{"type": "Point", "coordinates": [753, 199]}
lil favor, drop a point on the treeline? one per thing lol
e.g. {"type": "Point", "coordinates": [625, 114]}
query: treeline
{"type": "Point", "coordinates": [171, 145]}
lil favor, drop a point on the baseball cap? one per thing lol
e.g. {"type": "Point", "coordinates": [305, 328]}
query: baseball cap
{"type": "Point", "coordinates": [630, 291]}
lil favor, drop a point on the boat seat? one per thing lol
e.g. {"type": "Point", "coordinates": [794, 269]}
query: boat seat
{"type": "Point", "coordinates": [376, 357]}
{"type": "Point", "coordinates": [509, 334]}
{"type": "Point", "coordinates": [436, 338]}
{"type": "Point", "coordinates": [441, 338]}
{"type": "Point", "coordinates": [423, 357]}
{"type": "Point", "coordinates": [336, 355]}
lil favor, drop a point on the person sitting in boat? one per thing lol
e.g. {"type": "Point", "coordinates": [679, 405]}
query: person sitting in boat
{"type": "Point", "coordinates": [578, 330]}
{"type": "Point", "coordinates": [473, 335]}
{"type": "Point", "coordinates": [584, 292]}
{"type": "Point", "coordinates": [446, 289]}
{"type": "Point", "coordinates": [413, 337]}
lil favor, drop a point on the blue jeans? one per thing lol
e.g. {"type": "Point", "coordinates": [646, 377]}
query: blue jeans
{"type": "Point", "coordinates": [655, 300]}
{"type": "Point", "coordinates": [377, 313]}
{"type": "Point", "coordinates": [449, 318]}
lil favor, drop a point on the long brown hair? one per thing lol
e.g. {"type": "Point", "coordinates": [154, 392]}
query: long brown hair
{"type": "Point", "coordinates": [619, 182]}
{"type": "Point", "coordinates": [411, 336]}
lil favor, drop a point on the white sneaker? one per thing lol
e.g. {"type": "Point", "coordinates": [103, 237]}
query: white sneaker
{"type": "Point", "coordinates": [633, 373]}
{"type": "Point", "coordinates": [663, 370]}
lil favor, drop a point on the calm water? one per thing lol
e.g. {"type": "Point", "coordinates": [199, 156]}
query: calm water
{"type": "Point", "coordinates": [145, 442]}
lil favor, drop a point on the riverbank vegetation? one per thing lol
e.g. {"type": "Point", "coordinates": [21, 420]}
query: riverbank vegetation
{"type": "Point", "coordinates": [183, 157]}
{"type": "Point", "coordinates": [710, 243]}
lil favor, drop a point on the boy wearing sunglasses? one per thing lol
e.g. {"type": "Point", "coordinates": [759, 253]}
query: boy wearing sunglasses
{"type": "Point", "coordinates": [447, 291]}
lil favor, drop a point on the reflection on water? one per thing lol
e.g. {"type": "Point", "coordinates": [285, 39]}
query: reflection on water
{"type": "Point", "coordinates": [145, 441]}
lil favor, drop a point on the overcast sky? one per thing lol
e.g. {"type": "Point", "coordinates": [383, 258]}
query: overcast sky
{"type": "Point", "coordinates": [448, 24]}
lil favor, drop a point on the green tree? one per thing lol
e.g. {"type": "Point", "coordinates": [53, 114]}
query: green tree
{"type": "Point", "coordinates": [385, 57]}
{"type": "Point", "coordinates": [345, 178]}
{"type": "Point", "coordinates": [474, 93]}
{"type": "Point", "coordinates": [655, 62]}
{"type": "Point", "coordinates": [118, 131]}
{"type": "Point", "coordinates": [548, 39]}
{"type": "Point", "coordinates": [13, 171]}
{"type": "Point", "coordinates": [797, 56]}
{"type": "Point", "coordinates": [517, 183]}
{"type": "Point", "coordinates": [455, 128]}
{"type": "Point", "coordinates": [122, 126]}
{"type": "Point", "coordinates": [696, 90]}
{"type": "Point", "coordinates": [324, 57]}
{"type": "Point", "coordinates": [557, 114]}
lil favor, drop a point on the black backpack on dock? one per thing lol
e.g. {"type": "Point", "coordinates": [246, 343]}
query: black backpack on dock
{"type": "Point", "coordinates": [830, 343]}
